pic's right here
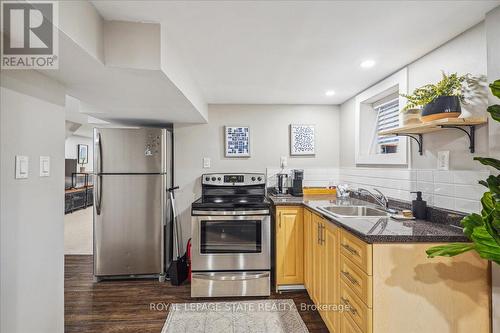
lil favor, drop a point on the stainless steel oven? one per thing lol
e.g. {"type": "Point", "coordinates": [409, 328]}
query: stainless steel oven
{"type": "Point", "coordinates": [231, 242]}
{"type": "Point", "coordinates": [231, 237]}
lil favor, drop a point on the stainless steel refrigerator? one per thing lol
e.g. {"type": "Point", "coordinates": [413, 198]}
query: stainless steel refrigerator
{"type": "Point", "coordinates": [132, 218]}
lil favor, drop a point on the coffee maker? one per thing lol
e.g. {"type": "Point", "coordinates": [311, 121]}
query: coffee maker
{"type": "Point", "coordinates": [297, 177]}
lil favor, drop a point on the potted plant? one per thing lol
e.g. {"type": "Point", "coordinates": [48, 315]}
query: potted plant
{"type": "Point", "coordinates": [443, 99]}
{"type": "Point", "coordinates": [482, 229]}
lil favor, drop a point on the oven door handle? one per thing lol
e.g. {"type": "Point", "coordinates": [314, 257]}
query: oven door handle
{"type": "Point", "coordinates": [230, 212]}
{"type": "Point", "coordinates": [230, 277]}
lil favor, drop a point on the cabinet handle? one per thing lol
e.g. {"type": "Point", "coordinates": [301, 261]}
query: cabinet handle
{"type": "Point", "coordinates": [318, 234]}
{"type": "Point", "coordinates": [351, 308]}
{"type": "Point", "coordinates": [279, 219]}
{"type": "Point", "coordinates": [350, 249]}
{"type": "Point", "coordinates": [349, 277]}
{"type": "Point", "coordinates": [323, 234]}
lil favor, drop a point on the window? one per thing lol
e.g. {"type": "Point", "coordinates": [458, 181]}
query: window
{"type": "Point", "coordinates": [376, 109]}
{"type": "Point", "coordinates": [387, 111]}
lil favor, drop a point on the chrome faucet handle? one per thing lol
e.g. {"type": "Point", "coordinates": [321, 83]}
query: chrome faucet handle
{"type": "Point", "coordinates": [382, 196]}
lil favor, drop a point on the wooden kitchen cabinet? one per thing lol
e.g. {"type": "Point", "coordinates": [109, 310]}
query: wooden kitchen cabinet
{"type": "Point", "coordinates": [308, 249]}
{"type": "Point", "coordinates": [330, 293]}
{"type": "Point", "coordinates": [289, 246]}
{"type": "Point", "coordinates": [325, 289]}
{"type": "Point", "coordinates": [372, 278]}
{"type": "Point", "coordinates": [422, 294]}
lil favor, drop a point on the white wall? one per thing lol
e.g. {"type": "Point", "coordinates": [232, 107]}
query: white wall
{"type": "Point", "coordinates": [464, 54]}
{"type": "Point", "coordinates": [269, 139]}
{"type": "Point", "coordinates": [31, 210]}
{"type": "Point", "coordinates": [132, 45]}
{"type": "Point", "coordinates": [71, 150]}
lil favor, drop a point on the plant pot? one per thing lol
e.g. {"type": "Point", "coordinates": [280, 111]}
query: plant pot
{"type": "Point", "coordinates": [411, 117]}
{"type": "Point", "coordinates": [442, 107]}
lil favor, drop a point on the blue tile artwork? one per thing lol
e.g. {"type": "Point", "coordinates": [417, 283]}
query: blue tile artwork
{"type": "Point", "coordinates": [237, 141]}
{"type": "Point", "coordinates": [302, 140]}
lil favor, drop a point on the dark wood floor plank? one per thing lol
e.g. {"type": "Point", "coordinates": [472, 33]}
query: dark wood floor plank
{"type": "Point", "coordinates": [123, 306]}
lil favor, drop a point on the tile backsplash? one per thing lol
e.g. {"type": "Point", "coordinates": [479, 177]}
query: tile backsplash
{"type": "Point", "coordinates": [454, 189]}
{"type": "Point", "coordinates": [320, 177]}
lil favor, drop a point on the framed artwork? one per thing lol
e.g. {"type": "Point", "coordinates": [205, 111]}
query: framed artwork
{"type": "Point", "coordinates": [301, 140]}
{"type": "Point", "coordinates": [237, 141]}
{"type": "Point", "coordinates": [83, 154]}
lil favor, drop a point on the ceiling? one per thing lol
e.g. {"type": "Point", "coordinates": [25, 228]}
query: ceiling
{"type": "Point", "coordinates": [124, 96]}
{"type": "Point", "coordinates": [292, 52]}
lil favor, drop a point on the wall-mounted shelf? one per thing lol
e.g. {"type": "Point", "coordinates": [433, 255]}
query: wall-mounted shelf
{"type": "Point", "coordinates": [416, 131]}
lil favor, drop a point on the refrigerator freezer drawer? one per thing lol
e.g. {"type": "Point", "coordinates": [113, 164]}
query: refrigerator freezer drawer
{"type": "Point", "coordinates": [228, 284]}
{"type": "Point", "coordinates": [129, 215]}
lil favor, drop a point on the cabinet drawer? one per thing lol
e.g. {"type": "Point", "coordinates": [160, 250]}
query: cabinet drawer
{"type": "Point", "coordinates": [348, 325]}
{"type": "Point", "coordinates": [357, 311]}
{"type": "Point", "coordinates": [359, 282]}
{"type": "Point", "coordinates": [357, 251]}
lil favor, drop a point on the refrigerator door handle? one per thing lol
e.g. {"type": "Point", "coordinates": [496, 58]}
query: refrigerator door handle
{"type": "Point", "coordinates": [98, 178]}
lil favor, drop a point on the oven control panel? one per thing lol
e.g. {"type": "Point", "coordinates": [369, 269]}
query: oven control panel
{"type": "Point", "coordinates": [233, 179]}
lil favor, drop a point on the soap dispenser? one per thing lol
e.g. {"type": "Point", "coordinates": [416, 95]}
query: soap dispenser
{"type": "Point", "coordinates": [419, 207]}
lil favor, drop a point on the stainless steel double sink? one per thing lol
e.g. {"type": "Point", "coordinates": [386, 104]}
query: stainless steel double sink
{"type": "Point", "coordinates": [354, 211]}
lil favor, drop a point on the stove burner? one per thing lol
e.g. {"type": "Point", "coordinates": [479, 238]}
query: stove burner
{"type": "Point", "coordinates": [232, 197]}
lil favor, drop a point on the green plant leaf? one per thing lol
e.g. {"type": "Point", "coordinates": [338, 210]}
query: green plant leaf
{"type": "Point", "coordinates": [494, 186]}
{"type": "Point", "coordinates": [470, 222]}
{"type": "Point", "coordinates": [489, 225]}
{"type": "Point", "coordinates": [488, 204]}
{"type": "Point", "coordinates": [485, 245]}
{"type": "Point", "coordinates": [484, 183]}
{"type": "Point", "coordinates": [449, 250]}
{"type": "Point", "coordinates": [489, 162]}
{"type": "Point", "coordinates": [495, 88]}
{"type": "Point", "coordinates": [494, 110]}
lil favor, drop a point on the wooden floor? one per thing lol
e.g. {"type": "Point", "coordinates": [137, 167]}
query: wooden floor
{"type": "Point", "coordinates": [124, 306]}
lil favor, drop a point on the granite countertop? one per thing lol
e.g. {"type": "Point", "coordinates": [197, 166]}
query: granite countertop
{"type": "Point", "coordinates": [377, 229]}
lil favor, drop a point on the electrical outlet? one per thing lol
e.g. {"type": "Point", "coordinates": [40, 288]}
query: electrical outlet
{"type": "Point", "coordinates": [283, 161]}
{"type": "Point", "coordinates": [206, 162]}
{"type": "Point", "coordinates": [443, 160]}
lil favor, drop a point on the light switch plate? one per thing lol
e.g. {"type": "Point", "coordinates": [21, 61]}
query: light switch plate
{"type": "Point", "coordinates": [44, 166]}
{"type": "Point", "coordinates": [206, 162]}
{"type": "Point", "coordinates": [22, 167]}
{"type": "Point", "coordinates": [443, 160]}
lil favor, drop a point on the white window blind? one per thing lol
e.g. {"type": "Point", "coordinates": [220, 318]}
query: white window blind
{"type": "Point", "coordinates": [387, 118]}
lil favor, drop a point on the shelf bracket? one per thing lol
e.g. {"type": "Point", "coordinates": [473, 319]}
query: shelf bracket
{"type": "Point", "coordinates": [470, 134]}
{"type": "Point", "coordinates": [419, 140]}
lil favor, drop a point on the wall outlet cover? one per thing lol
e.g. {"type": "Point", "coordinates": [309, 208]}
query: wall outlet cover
{"type": "Point", "coordinates": [44, 166]}
{"type": "Point", "coordinates": [206, 162]}
{"type": "Point", "coordinates": [443, 160]}
{"type": "Point", "coordinates": [22, 167]}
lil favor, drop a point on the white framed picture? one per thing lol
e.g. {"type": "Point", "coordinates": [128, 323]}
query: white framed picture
{"type": "Point", "coordinates": [237, 141]}
{"type": "Point", "coordinates": [301, 140]}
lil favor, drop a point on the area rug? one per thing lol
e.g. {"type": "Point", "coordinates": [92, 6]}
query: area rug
{"type": "Point", "coordinates": [259, 316]}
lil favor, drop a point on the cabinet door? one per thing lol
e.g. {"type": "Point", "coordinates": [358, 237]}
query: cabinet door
{"type": "Point", "coordinates": [307, 250]}
{"type": "Point", "coordinates": [330, 293]}
{"type": "Point", "coordinates": [290, 246]}
{"type": "Point", "coordinates": [317, 269]}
